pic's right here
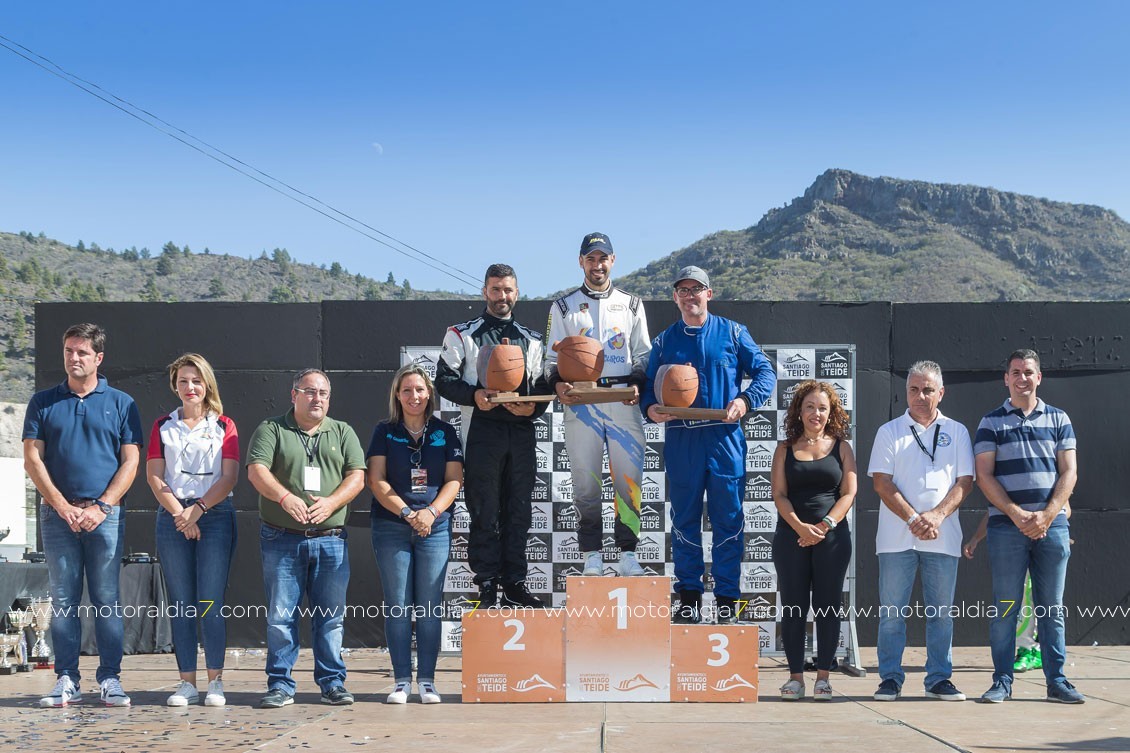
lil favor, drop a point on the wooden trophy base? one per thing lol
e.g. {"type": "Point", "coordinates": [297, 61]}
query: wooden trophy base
{"type": "Point", "coordinates": [514, 397]}
{"type": "Point", "coordinates": [589, 393]}
{"type": "Point", "coordinates": [701, 414]}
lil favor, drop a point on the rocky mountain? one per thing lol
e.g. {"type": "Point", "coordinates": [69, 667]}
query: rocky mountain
{"type": "Point", "coordinates": [37, 268]}
{"type": "Point", "coordinates": [855, 238]}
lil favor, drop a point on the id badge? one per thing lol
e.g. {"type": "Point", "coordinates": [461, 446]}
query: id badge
{"type": "Point", "coordinates": [312, 478]}
{"type": "Point", "coordinates": [935, 479]}
{"type": "Point", "coordinates": [419, 478]}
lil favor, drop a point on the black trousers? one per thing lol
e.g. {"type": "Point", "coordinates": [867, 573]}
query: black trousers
{"type": "Point", "coordinates": [816, 574]}
{"type": "Point", "coordinates": [498, 481]}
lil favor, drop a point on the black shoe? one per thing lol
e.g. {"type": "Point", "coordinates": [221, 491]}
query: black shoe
{"type": "Point", "coordinates": [488, 594]}
{"type": "Point", "coordinates": [517, 595]}
{"type": "Point", "coordinates": [726, 609]}
{"type": "Point", "coordinates": [337, 696]}
{"type": "Point", "coordinates": [689, 611]}
{"type": "Point", "coordinates": [276, 698]}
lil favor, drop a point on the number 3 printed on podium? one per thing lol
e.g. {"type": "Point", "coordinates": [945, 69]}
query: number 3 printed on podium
{"type": "Point", "coordinates": [719, 641]}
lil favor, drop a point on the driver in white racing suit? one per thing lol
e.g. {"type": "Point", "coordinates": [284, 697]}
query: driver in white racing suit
{"type": "Point", "coordinates": [617, 320]}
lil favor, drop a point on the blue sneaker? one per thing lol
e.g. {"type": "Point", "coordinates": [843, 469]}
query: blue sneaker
{"type": "Point", "coordinates": [999, 693]}
{"type": "Point", "coordinates": [1065, 692]}
{"type": "Point", "coordinates": [945, 691]}
{"type": "Point", "coordinates": [889, 690]}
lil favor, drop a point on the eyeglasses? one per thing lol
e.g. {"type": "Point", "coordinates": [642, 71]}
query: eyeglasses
{"type": "Point", "coordinates": [312, 393]}
{"type": "Point", "coordinates": [688, 292]}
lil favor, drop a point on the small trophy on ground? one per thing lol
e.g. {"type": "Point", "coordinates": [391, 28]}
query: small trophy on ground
{"type": "Point", "coordinates": [20, 620]}
{"type": "Point", "coordinates": [580, 361]}
{"type": "Point", "coordinates": [501, 368]}
{"type": "Point", "coordinates": [40, 621]}
{"type": "Point", "coordinates": [8, 643]}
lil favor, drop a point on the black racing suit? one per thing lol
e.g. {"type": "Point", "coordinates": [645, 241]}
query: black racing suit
{"type": "Point", "coordinates": [501, 462]}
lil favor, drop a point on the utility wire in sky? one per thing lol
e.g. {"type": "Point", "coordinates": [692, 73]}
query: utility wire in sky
{"type": "Point", "coordinates": [227, 160]}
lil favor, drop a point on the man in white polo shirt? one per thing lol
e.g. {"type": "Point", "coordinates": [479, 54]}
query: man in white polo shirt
{"type": "Point", "coordinates": [922, 468]}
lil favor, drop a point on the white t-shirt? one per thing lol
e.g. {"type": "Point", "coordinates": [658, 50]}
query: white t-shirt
{"type": "Point", "coordinates": [923, 482]}
{"type": "Point", "coordinates": [193, 457]}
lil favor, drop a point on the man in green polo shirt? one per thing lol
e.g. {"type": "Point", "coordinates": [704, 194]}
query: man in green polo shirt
{"type": "Point", "coordinates": [307, 468]}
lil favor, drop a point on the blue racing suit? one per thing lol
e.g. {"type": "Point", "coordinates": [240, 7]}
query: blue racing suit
{"type": "Point", "coordinates": [709, 456]}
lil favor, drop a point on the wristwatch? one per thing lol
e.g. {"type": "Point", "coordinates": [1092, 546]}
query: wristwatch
{"type": "Point", "coordinates": [405, 512]}
{"type": "Point", "coordinates": [105, 508]}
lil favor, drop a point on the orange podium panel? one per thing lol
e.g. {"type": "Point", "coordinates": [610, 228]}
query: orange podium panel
{"type": "Point", "coordinates": [618, 639]}
{"type": "Point", "coordinates": [514, 656]}
{"type": "Point", "coordinates": [714, 663]}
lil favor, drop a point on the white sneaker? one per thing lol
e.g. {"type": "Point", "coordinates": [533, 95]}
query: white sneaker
{"type": "Point", "coordinates": [399, 694]}
{"type": "Point", "coordinates": [594, 564]}
{"type": "Point", "coordinates": [64, 692]}
{"type": "Point", "coordinates": [630, 566]}
{"type": "Point", "coordinates": [112, 693]}
{"type": "Point", "coordinates": [183, 695]}
{"type": "Point", "coordinates": [215, 695]}
{"type": "Point", "coordinates": [428, 692]}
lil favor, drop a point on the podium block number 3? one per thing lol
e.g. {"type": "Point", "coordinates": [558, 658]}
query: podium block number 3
{"type": "Point", "coordinates": [519, 630]}
{"type": "Point", "coordinates": [718, 644]}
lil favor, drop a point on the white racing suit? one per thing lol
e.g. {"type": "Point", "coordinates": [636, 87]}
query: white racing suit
{"type": "Point", "coordinates": [617, 320]}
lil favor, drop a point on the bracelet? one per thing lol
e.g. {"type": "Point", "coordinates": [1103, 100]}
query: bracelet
{"type": "Point", "coordinates": [830, 521]}
{"type": "Point", "coordinates": [911, 519]}
{"type": "Point", "coordinates": [200, 503]}
{"type": "Point", "coordinates": [432, 510]}
{"type": "Point", "coordinates": [283, 497]}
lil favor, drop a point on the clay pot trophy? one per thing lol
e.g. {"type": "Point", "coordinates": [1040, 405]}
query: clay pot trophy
{"type": "Point", "coordinates": [501, 368]}
{"type": "Point", "coordinates": [676, 387]}
{"type": "Point", "coordinates": [580, 361]}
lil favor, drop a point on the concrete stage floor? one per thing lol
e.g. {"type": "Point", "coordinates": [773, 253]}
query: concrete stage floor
{"type": "Point", "coordinates": [851, 722]}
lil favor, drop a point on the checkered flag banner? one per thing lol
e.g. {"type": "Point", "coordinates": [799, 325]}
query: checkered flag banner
{"type": "Point", "coordinates": [551, 545]}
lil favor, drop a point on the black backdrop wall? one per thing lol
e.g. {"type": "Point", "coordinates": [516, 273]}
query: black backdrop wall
{"type": "Point", "coordinates": [257, 347]}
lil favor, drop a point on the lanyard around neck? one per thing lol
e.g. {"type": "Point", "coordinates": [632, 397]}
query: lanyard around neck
{"type": "Point", "coordinates": [918, 439]}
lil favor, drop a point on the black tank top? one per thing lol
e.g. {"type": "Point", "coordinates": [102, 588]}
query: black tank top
{"type": "Point", "coordinates": [814, 485]}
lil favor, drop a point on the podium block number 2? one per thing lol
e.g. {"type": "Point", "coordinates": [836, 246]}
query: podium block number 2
{"type": "Point", "coordinates": [519, 628]}
{"type": "Point", "coordinates": [509, 659]}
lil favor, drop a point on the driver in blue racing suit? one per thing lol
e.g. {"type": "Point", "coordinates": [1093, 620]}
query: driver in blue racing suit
{"type": "Point", "coordinates": [707, 455]}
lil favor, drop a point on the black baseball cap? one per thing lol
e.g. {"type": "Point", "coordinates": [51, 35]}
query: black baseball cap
{"type": "Point", "coordinates": [596, 242]}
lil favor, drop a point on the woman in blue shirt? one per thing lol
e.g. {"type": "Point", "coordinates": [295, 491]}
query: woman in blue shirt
{"type": "Point", "coordinates": [415, 470]}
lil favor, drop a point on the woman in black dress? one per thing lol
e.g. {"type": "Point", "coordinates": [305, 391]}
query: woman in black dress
{"type": "Point", "coordinates": [814, 485]}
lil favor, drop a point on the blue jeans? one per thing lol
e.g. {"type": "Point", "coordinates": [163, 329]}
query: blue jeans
{"type": "Point", "coordinates": [196, 574]}
{"type": "Point", "coordinates": [98, 554]}
{"type": "Point", "coordinates": [412, 572]}
{"type": "Point", "coordinates": [1011, 555]}
{"type": "Point", "coordinates": [317, 568]}
{"type": "Point", "coordinates": [896, 579]}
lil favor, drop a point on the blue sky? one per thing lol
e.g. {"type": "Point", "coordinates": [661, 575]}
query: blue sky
{"type": "Point", "coordinates": [481, 132]}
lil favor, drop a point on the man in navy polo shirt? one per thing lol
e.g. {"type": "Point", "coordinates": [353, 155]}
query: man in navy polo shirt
{"type": "Point", "coordinates": [1026, 469]}
{"type": "Point", "coordinates": [82, 443]}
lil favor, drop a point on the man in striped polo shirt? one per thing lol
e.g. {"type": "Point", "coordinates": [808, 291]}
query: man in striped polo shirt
{"type": "Point", "coordinates": [1025, 457]}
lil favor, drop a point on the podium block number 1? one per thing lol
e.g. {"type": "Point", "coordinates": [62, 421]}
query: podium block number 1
{"type": "Point", "coordinates": [618, 639]}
